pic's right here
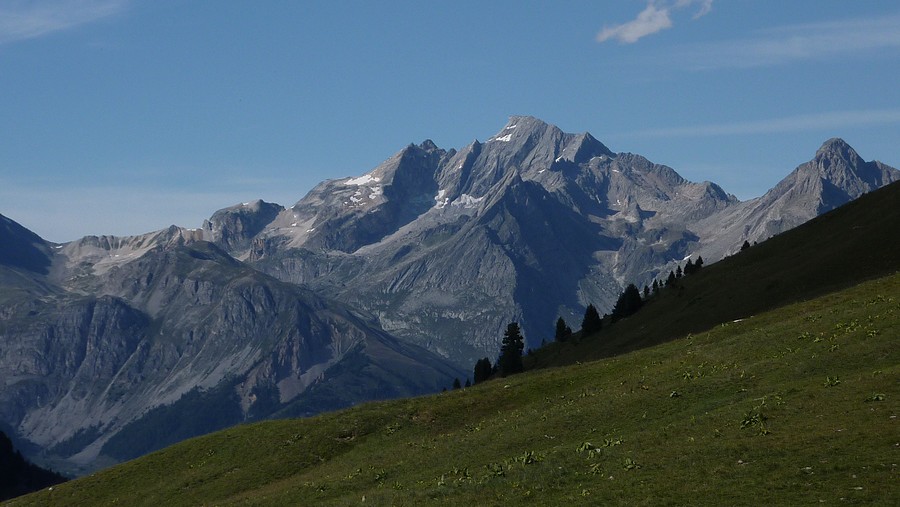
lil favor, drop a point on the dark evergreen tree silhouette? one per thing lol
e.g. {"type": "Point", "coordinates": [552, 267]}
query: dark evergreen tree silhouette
{"type": "Point", "coordinates": [18, 476]}
{"type": "Point", "coordinates": [745, 246]}
{"type": "Point", "coordinates": [483, 370]}
{"type": "Point", "coordinates": [655, 287]}
{"type": "Point", "coordinates": [678, 272]}
{"type": "Point", "coordinates": [646, 292]}
{"type": "Point", "coordinates": [699, 263]}
{"type": "Point", "coordinates": [468, 383]}
{"type": "Point", "coordinates": [671, 279]}
{"type": "Point", "coordinates": [591, 322]}
{"type": "Point", "coordinates": [510, 361]}
{"type": "Point", "coordinates": [689, 268]}
{"type": "Point", "coordinates": [456, 383]}
{"type": "Point", "coordinates": [563, 331]}
{"type": "Point", "coordinates": [628, 303]}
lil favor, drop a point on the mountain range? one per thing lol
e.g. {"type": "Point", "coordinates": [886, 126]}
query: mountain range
{"type": "Point", "coordinates": [446, 247]}
{"type": "Point", "coordinates": [383, 285]}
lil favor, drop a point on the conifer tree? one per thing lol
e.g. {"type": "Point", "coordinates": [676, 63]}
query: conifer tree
{"type": "Point", "coordinates": [646, 292]}
{"type": "Point", "coordinates": [456, 384]}
{"type": "Point", "coordinates": [678, 272]}
{"type": "Point", "coordinates": [468, 383]}
{"type": "Point", "coordinates": [628, 303]}
{"type": "Point", "coordinates": [483, 370]}
{"type": "Point", "coordinates": [655, 287]}
{"type": "Point", "coordinates": [18, 476]}
{"type": "Point", "coordinates": [689, 267]}
{"type": "Point", "coordinates": [510, 361]}
{"type": "Point", "coordinates": [699, 263]}
{"type": "Point", "coordinates": [671, 279]}
{"type": "Point", "coordinates": [563, 331]}
{"type": "Point", "coordinates": [591, 322]}
{"type": "Point", "coordinates": [745, 246]}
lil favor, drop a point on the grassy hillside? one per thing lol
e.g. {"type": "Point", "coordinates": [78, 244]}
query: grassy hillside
{"type": "Point", "coordinates": [856, 242]}
{"type": "Point", "coordinates": [794, 406]}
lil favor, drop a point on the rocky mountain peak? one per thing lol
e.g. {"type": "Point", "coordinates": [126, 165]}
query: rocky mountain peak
{"type": "Point", "coordinates": [528, 143]}
{"type": "Point", "coordinates": [527, 122]}
{"type": "Point", "coordinates": [235, 226]}
{"type": "Point", "coordinates": [835, 145]}
{"type": "Point", "coordinates": [585, 147]}
{"type": "Point", "coordinates": [523, 127]}
{"type": "Point", "coordinates": [428, 145]}
{"type": "Point", "coordinates": [835, 176]}
{"type": "Point", "coordinates": [840, 165]}
{"type": "Point", "coordinates": [836, 151]}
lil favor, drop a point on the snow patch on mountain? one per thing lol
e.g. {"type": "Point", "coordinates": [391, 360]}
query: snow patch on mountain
{"type": "Point", "coordinates": [362, 180]}
{"type": "Point", "coordinates": [467, 201]}
{"type": "Point", "coordinates": [440, 199]}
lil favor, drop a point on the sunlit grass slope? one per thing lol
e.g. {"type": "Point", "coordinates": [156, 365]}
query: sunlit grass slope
{"type": "Point", "coordinates": [795, 406]}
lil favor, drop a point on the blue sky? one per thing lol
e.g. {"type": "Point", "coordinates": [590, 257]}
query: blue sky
{"type": "Point", "coordinates": [126, 116]}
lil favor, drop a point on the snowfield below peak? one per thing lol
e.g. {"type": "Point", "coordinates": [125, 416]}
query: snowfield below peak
{"type": "Point", "coordinates": [362, 180]}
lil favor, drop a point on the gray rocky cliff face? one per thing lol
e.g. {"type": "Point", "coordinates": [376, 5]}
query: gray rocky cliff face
{"type": "Point", "coordinates": [170, 317]}
{"type": "Point", "coordinates": [235, 227]}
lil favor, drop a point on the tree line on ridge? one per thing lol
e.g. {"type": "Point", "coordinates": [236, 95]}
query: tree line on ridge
{"type": "Point", "coordinates": [632, 299]}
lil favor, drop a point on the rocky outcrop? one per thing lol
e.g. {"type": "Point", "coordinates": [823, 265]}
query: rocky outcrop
{"type": "Point", "coordinates": [234, 228]}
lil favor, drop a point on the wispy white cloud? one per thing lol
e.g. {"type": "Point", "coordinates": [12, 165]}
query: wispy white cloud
{"type": "Point", "coordinates": [654, 18]}
{"type": "Point", "coordinates": [798, 123]}
{"type": "Point", "coordinates": [20, 20]}
{"type": "Point", "coordinates": [788, 44]}
{"type": "Point", "coordinates": [649, 21]}
{"type": "Point", "coordinates": [705, 6]}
